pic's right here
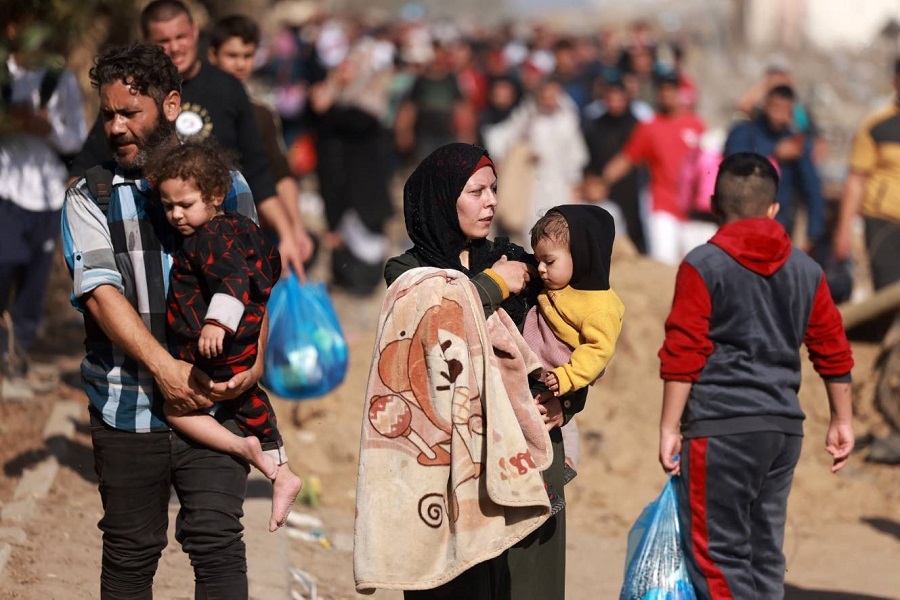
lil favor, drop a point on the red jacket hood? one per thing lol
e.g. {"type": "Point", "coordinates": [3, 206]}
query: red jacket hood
{"type": "Point", "coordinates": [761, 245]}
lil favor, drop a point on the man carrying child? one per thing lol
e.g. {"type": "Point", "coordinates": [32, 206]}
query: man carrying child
{"type": "Point", "coordinates": [118, 248]}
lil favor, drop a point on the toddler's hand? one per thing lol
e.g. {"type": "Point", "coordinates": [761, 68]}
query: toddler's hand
{"type": "Point", "coordinates": [210, 342]}
{"type": "Point", "coordinates": [552, 382]}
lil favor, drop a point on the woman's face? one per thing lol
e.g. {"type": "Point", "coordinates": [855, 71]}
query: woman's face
{"type": "Point", "coordinates": [476, 204]}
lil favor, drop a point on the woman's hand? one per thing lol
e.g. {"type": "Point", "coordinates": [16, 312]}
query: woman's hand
{"type": "Point", "coordinates": [551, 410]}
{"type": "Point", "coordinates": [516, 274]}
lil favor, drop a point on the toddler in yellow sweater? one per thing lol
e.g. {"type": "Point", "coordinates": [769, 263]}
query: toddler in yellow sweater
{"type": "Point", "coordinates": [573, 246]}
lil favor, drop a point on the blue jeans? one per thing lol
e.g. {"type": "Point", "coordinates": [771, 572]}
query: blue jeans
{"type": "Point", "coordinates": [137, 472]}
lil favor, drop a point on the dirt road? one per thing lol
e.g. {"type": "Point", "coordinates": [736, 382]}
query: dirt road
{"type": "Point", "coordinates": [843, 537]}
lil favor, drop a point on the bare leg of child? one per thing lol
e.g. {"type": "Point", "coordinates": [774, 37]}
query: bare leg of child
{"type": "Point", "coordinates": [203, 428]}
{"type": "Point", "coordinates": [285, 487]}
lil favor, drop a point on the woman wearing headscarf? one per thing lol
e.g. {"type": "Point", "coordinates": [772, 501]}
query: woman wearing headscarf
{"type": "Point", "coordinates": [449, 202]}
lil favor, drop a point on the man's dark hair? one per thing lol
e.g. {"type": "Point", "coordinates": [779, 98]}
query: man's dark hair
{"type": "Point", "coordinates": [232, 26]}
{"type": "Point", "coordinates": [745, 186]}
{"type": "Point", "coordinates": [552, 226]}
{"type": "Point", "coordinates": [782, 91]}
{"type": "Point", "coordinates": [205, 163]}
{"type": "Point", "coordinates": [162, 10]}
{"type": "Point", "coordinates": [144, 67]}
{"type": "Point", "coordinates": [897, 67]}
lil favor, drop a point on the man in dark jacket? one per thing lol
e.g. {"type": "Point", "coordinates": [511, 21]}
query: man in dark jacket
{"type": "Point", "coordinates": [213, 104]}
{"type": "Point", "coordinates": [606, 135]}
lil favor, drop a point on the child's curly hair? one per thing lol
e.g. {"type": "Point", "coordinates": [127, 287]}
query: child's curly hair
{"type": "Point", "coordinates": [205, 163]}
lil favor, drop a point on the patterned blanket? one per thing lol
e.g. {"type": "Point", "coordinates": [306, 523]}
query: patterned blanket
{"type": "Point", "coordinates": [452, 443]}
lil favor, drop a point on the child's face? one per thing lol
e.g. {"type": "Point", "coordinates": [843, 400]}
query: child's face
{"type": "Point", "coordinates": [186, 210]}
{"type": "Point", "coordinates": [554, 263]}
{"type": "Point", "coordinates": [235, 57]}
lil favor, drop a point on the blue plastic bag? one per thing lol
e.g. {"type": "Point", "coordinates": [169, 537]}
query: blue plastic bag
{"type": "Point", "coordinates": [654, 563]}
{"type": "Point", "coordinates": [307, 353]}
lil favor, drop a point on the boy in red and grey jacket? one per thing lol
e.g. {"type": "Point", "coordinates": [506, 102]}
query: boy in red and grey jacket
{"type": "Point", "coordinates": [743, 305]}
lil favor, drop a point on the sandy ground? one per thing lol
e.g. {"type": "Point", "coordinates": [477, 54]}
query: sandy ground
{"type": "Point", "coordinates": [843, 537]}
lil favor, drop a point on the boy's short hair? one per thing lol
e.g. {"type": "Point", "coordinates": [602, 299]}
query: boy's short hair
{"type": "Point", "coordinates": [552, 226]}
{"type": "Point", "coordinates": [231, 26]}
{"type": "Point", "coordinates": [205, 163]}
{"type": "Point", "coordinates": [782, 91]}
{"type": "Point", "coordinates": [745, 186]}
{"type": "Point", "coordinates": [162, 10]}
{"type": "Point", "coordinates": [144, 67]}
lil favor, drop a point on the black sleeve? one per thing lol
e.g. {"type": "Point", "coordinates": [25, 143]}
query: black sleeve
{"type": "Point", "coordinates": [254, 165]}
{"type": "Point", "coordinates": [270, 131]}
{"type": "Point", "coordinates": [95, 151]}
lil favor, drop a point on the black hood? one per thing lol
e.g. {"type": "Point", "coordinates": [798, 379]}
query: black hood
{"type": "Point", "coordinates": [591, 235]}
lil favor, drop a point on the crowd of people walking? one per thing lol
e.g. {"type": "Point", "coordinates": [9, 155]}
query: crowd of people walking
{"type": "Point", "coordinates": [524, 154]}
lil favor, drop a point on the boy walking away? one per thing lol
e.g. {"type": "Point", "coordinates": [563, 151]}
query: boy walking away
{"type": "Point", "coordinates": [220, 281]}
{"type": "Point", "coordinates": [744, 303]}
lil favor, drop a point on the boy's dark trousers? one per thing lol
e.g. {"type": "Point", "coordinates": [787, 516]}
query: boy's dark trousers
{"type": "Point", "coordinates": [732, 499]}
{"type": "Point", "coordinates": [137, 472]}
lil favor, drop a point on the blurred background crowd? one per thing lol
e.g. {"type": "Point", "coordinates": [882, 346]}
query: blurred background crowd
{"type": "Point", "coordinates": [628, 107]}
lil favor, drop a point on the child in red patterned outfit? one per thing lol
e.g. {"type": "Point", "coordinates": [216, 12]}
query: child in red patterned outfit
{"type": "Point", "coordinates": [220, 280]}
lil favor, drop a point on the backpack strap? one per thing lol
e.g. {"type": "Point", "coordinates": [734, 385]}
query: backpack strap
{"type": "Point", "coordinates": [100, 183]}
{"type": "Point", "coordinates": [5, 86]}
{"type": "Point", "coordinates": [48, 84]}
{"type": "Point", "coordinates": [49, 81]}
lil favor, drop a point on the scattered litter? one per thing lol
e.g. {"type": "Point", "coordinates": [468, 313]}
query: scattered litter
{"type": "Point", "coordinates": [299, 519]}
{"type": "Point", "coordinates": [316, 536]}
{"type": "Point", "coordinates": [308, 528]}
{"type": "Point", "coordinates": [306, 584]}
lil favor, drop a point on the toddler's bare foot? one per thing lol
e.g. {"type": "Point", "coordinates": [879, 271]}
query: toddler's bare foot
{"type": "Point", "coordinates": [252, 452]}
{"type": "Point", "coordinates": [284, 491]}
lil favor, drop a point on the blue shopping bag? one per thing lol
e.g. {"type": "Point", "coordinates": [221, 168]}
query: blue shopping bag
{"type": "Point", "coordinates": [307, 353]}
{"type": "Point", "coordinates": [654, 563]}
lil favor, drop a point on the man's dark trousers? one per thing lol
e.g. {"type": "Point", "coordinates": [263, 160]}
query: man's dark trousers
{"type": "Point", "coordinates": [137, 472]}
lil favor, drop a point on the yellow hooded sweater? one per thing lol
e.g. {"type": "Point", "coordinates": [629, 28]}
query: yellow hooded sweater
{"type": "Point", "coordinates": [589, 321]}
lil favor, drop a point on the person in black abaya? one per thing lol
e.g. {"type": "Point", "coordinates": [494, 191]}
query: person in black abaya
{"type": "Point", "coordinates": [353, 171]}
{"type": "Point", "coordinates": [449, 202]}
{"type": "Point", "coordinates": [606, 135]}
